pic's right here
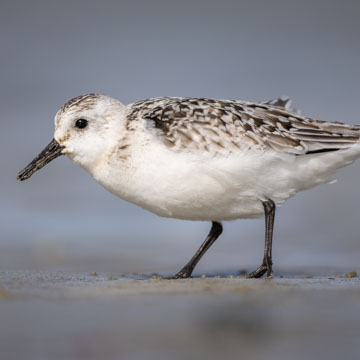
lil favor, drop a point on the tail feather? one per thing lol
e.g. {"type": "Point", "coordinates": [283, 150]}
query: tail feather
{"type": "Point", "coordinates": [312, 136]}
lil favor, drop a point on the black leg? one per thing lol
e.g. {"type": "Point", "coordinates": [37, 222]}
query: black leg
{"type": "Point", "coordinates": [186, 271]}
{"type": "Point", "coordinates": [266, 266]}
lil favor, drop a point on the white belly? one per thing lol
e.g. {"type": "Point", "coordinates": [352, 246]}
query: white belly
{"type": "Point", "coordinates": [187, 186]}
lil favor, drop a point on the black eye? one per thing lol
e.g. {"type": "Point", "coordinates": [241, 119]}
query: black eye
{"type": "Point", "coordinates": [81, 123]}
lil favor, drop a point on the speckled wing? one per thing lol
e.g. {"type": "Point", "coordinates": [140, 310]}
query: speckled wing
{"type": "Point", "coordinates": [222, 126]}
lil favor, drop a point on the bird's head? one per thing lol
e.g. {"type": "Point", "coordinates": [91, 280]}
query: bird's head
{"type": "Point", "coordinates": [85, 127]}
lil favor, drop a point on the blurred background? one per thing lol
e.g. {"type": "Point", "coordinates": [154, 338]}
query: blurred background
{"type": "Point", "coordinates": [250, 50]}
{"type": "Point", "coordinates": [62, 220]}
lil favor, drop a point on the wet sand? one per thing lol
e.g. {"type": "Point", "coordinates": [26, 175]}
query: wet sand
{"type": "Point", "coordinates": [67, 315]}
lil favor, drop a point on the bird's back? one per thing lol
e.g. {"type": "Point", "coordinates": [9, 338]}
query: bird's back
{"type": "Point", "coordinates": [223, 126]}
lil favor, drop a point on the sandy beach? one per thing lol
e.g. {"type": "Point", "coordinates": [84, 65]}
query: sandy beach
{"type": "Point", "coordinates": [66, 315]}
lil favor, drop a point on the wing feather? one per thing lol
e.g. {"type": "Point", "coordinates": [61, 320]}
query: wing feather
{"type": "Point", "coordinates": [226, 126]}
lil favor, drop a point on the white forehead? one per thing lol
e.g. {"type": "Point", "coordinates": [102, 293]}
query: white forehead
{"type": "Point", "coordinates": [88, 103]}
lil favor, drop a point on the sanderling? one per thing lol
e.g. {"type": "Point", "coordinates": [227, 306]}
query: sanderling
{"type": "Point", "coordinates": [200, 159]}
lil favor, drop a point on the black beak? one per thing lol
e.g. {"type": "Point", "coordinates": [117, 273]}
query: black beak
{"type": "Point", "coordinates": [51, 152]}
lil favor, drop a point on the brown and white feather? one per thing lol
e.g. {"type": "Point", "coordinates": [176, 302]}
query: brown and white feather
{"type": "Point", "coordinates": [225, 126]}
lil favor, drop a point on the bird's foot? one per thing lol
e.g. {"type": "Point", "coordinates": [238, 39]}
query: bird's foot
{"type": "Point", "coordinates": [265, 267]}
{"type": "Point", "coordinates": [184, 273]}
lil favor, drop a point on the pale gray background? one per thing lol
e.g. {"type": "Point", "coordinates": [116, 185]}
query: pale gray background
{"type": "Point", "coordinates": [61, 225]}
{"type": "Point", "coordinates": [251, 50]}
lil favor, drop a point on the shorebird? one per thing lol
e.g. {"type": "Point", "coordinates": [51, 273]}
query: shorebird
{"type": "Point", "coordinates": [200, 159]}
